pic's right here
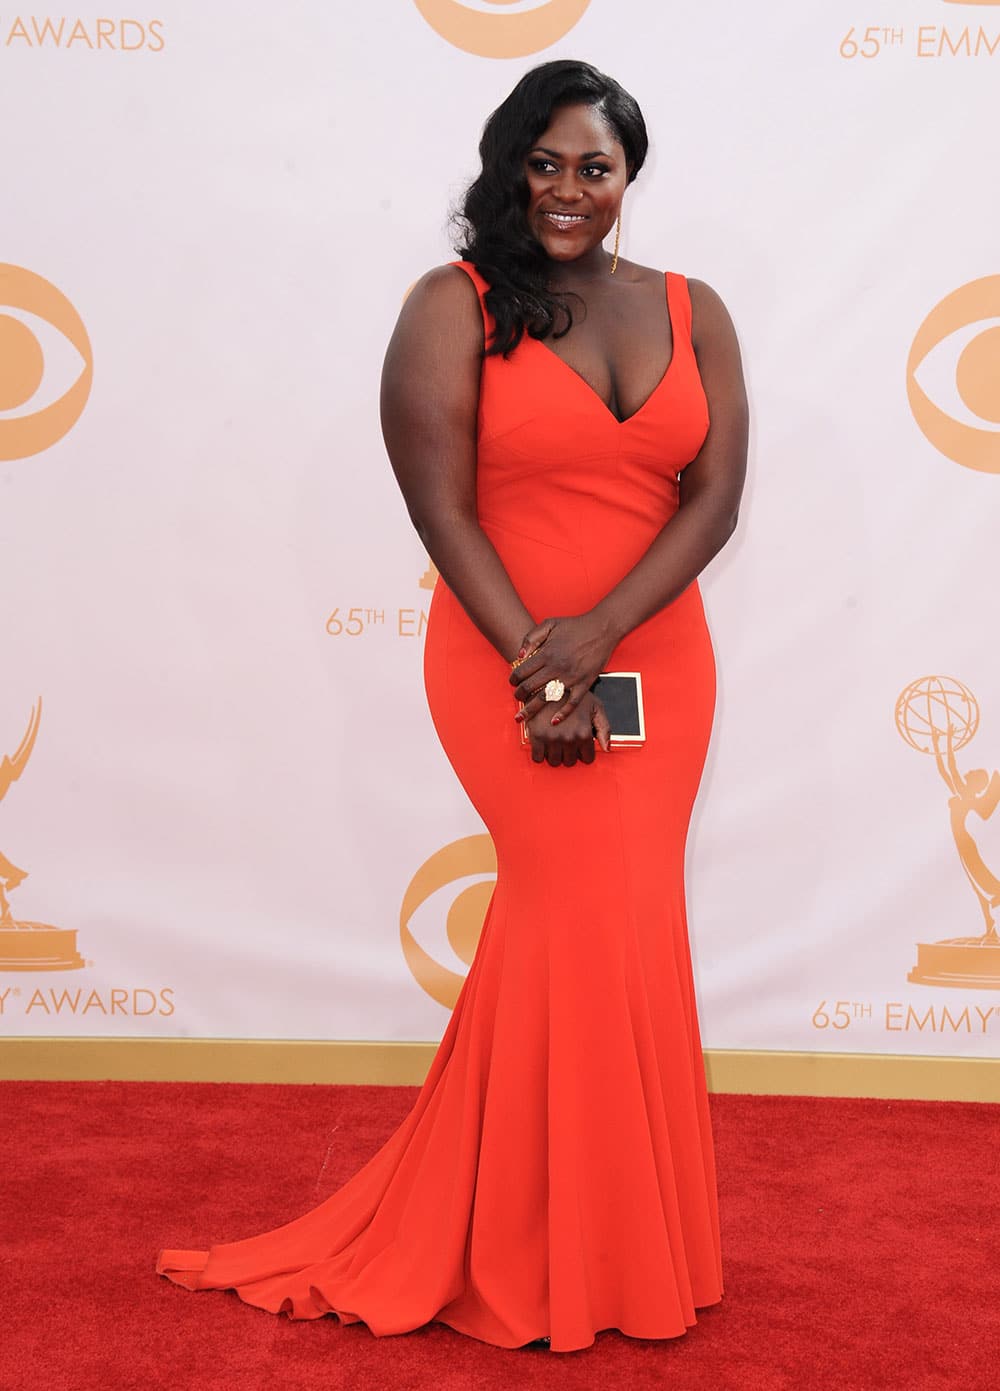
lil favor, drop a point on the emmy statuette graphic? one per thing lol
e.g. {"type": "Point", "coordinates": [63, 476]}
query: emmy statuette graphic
{"type": "Point", "coordinates": [939, 715]}
{"type": "Point", "coordinates": [28, 946]}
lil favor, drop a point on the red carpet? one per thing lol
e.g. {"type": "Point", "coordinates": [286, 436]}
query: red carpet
{"type": "Point", "coordinates": [861, 1243]}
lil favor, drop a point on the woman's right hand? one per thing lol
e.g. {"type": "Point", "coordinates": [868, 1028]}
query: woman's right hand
{"type": "Point", "coordinates": [572, 739]}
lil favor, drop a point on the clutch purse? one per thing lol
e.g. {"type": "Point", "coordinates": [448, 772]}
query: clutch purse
{"type": "Point", "coordinates": [621, 693]}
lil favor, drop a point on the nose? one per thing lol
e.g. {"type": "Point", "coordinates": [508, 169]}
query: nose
{"type": "Point", "coordinates": [566, 190]}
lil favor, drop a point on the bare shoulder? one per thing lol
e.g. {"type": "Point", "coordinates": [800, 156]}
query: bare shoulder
{"type": "Point", "coordinates": [444, 298]}
{"type": "Point", "coordinates": [434, 357]}
{"type": "Point", "coordinates": [710, 319]}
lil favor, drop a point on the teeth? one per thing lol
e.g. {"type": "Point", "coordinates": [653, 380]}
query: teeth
{"type": "Point", "coordinates": [566, 217]}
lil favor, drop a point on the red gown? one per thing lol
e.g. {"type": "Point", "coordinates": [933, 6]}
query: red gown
{"type": "Point", "coordinates": [555, 1175]}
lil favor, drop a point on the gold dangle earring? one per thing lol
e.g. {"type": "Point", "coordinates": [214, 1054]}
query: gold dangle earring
{"type": "Point", "coordinates": [618, 237]}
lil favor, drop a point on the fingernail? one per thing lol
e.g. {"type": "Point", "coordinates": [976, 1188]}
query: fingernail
{"type": "Point", "coordinates": [519, 716]}
{"type": "Point", "coordinates": [556, 719]}
{"type": "Point", "coordinates": [523, 653]}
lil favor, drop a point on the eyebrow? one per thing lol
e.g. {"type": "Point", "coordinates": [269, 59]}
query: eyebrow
{"type": "Point", "coordinates": [590, 154]}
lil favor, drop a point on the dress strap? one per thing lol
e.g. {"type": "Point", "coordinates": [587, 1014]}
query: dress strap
{"type": "Point", "coordinates": [482, 286]}
{"type": "Point", "coordinates": [679, 305]}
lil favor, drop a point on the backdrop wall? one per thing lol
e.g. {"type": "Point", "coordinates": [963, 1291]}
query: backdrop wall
{"type": "Point", "coordinates": [223, 809]}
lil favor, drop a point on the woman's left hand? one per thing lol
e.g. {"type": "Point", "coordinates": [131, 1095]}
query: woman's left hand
{"type": "Point", "coordinates": [571, 650]}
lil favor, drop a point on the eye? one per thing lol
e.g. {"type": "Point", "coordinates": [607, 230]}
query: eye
{"type": "Point", "coordinates": [38, 364]}
{"type": "Point", "coordinates": [442, 915]}
{"type": "Point", "coordinates": [956, 374]}
{"type": "Point", "coordinates": [45, 364]}
{"type": "Point", "coordinates": [502, 28]}
{"type": "Point", "coordinates": [542, 166]}
{"type": "Point", "coordinates": [596, 170]}
{"type": "Point", "coordinates": [953, 375]}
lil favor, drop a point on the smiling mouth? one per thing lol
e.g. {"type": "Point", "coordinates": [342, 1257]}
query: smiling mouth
{"type": "Point", "coordinates": [564, 219]}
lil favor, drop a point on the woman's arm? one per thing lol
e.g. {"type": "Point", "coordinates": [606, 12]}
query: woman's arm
{"type": "Point", "coordinates": [429, 406]}
{"type": "Point", "coordinates": [711, 485]}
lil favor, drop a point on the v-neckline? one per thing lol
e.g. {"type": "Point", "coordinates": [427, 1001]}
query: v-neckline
{"type": "Point", "coordinates": [595, 394]}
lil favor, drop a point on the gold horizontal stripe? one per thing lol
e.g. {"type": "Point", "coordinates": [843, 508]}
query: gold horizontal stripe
{"type": "Point", "coordinates": [406, 1064]}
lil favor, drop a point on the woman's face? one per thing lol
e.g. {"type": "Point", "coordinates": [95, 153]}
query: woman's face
{"type": "Point", "coordinates": [576, 176]}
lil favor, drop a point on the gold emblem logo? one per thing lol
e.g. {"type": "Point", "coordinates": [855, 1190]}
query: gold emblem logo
{"type": "Point", "coordinates": [23, 359]}
{"type": "Point", "coordinates": [508, 29]}
{"type": "Point", "coordinates": [471, 858]}
{"type": "Point", "coordinates": [972, 382]}
{"type": "Point", "coordinates": [938, 715]}
{"type": "Point", "coordinates": [28, 946]}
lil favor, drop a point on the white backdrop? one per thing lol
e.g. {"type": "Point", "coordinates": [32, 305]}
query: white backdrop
{"type": "Point", "coordinates": [224, 790]}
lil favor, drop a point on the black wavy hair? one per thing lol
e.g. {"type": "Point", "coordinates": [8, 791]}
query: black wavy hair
{"type": "Point", "coordinates": [492, 219]}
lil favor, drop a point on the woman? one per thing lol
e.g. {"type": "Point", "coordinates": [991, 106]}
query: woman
{"type": "Point", "coordinates": [569, 433]}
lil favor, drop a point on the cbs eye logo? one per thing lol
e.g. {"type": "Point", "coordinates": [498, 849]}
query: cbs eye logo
{"type": "Point", "coordinates": [46, 364]}
{"type": "Point", "coordinates": [501, 28]}
{"type": "Point", "coordinates": [445, 905]}
{"type": "Point", "coordinates": [956, 355]}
